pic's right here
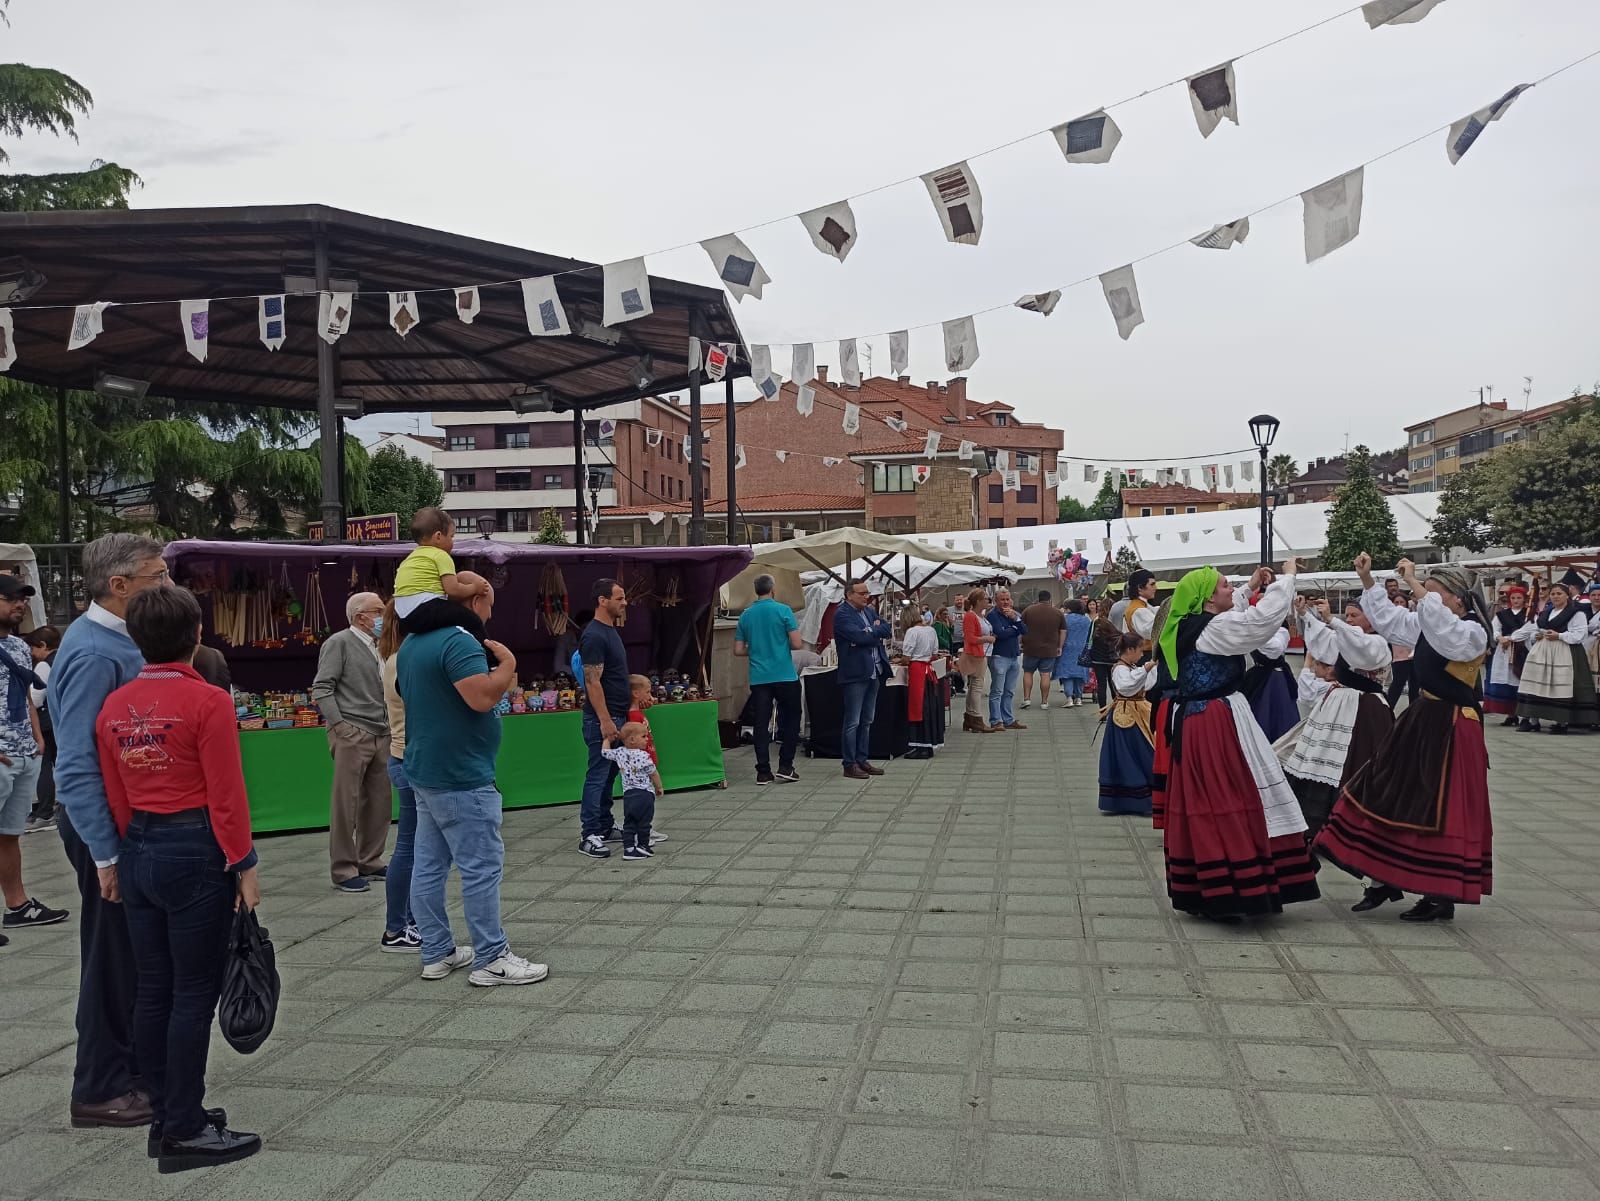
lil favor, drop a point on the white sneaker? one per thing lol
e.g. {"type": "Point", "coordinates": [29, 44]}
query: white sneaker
{"type": "Point", "coordinates": [1024, 704]}
{"type": "Point", "coordinates": [459, 957]}
{"type": "Point", "coordinates": [1044, 705]}
{"type": "Point", "coordinates": [657, 835]}
{"type": "Point", "coordinates": [508, 969]}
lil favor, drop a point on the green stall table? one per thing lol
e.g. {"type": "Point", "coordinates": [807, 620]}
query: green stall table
{"type": "Point", "coordinates": [288, 773]}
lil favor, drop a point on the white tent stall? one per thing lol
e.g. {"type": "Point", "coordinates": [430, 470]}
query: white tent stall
{"type": "Point", "coordinates": [18, 558]}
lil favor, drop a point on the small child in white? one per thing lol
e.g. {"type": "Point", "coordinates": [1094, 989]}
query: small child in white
{"type": "Point", "coordinates": [641, 785]}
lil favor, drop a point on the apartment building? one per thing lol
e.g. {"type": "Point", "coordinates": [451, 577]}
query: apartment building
{"type": "Point", "coordinates": [1443, 445]}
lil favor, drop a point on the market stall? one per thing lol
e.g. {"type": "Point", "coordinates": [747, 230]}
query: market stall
{"type": "Point", "coordinates": [268, 606]}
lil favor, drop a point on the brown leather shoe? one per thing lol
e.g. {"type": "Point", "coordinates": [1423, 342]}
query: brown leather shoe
{"type": "Point", "coordinates": [1016, 725]}
{"type": "Point", "coordinates": [994, 729]}
{"type": "Point", "coordinates": [130, 1109]}
{"type": "Point", "coordinates": [870, 770]}
{"type": "Point", "coordinates": [852, 772]}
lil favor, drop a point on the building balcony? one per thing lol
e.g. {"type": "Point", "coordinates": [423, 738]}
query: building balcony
{"type": "Point", "coordinates": [508, 458]}
{"type": "Point", "coordinates": [530, 498]}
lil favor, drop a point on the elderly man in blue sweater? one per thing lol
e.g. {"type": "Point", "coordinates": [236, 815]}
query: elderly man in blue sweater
{"type": "Point", "coordinates": [97, 657]}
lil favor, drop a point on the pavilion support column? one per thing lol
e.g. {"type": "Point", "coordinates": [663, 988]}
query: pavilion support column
{"type": "Point", "coordinates": [697, 478]}
{"type": "Point", "coordinates": [63, 467]}
{"type": "Point", "coordinates": [733, 459]}
{"type": "Point", "coordinates": [329, 425]}
{"type": "Point", "coordinates": [579, 476]}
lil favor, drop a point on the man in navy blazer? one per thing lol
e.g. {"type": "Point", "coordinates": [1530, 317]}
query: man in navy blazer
{"type": "Point", "coordinates": [858, 634]}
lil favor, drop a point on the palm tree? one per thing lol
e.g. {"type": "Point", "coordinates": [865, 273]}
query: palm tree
{"type": "Point", "coordinates": [1280, 470]}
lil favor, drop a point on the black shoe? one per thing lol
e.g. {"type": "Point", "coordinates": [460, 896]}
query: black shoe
{"type": "Point", "coordinates": [32, 913]}
{"type": "Point", "coordinates": [212, 1146]}
{"type": "Point", "coordinates": [1222, 919]}
{"type": "Point", "coordinates": [1377, 895]}
{"type": "Point", "coordinates": [1510, 721]}
{"type": "Point", "coordinates": [215, 1118]}
{"type": "Point", "coordinates": [381, 873]}
{"type": "Point", "coordinates": [614, 834]}
{"type": "Point", "coordinates": [763, 777]}
{"type": "Point", "coordinates": [788, 775]}
{"type": "Point", "coordinates": [1527, 724]}
{"type": "Point", "coordinates": [1427, 910]}
{"type": "Point", "coordinates": [1559, 728]}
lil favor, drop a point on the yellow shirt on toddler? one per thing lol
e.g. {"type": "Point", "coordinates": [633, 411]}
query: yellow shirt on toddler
{"type": "Point", "coordinates": [420, 578]}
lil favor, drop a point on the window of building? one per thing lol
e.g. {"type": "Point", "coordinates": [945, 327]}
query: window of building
{"type": "Point", "coordinates": [1027, 521]}
{"type": "Point", "coordinates": [511, 437]}
{"type": "Point", "coordinates": [1422, 463]}
{"type": "Point", "coordinates": [1144, 511]}
{"type": "Point", "coordinates": [680, 489]}
{"type": "Point", "coordinates": [949, 419]}
{"type": "Point", "coordinates": [997, 494]}
{"type": "Point", "coordinates": [460, 481]}
{"type": "Point", "coordinates": [997, 523]}
{"type": "Point", "coordinates": [1475, 443]}
{"type": "Point", "coordinates": [1190, 509]}
{"type": "Point", "coordinates": [552, 479]}
{"type": "Point", "coordinates": [1001, 419]}
{"type": "Point", "coordinates": [1511, 436]}
{"type": "Point", "coordinates": [1168, 511]}
{"type": "Point", "coordinates": [467, 525]}
{"type": "Point", "coordinates": [516, 521]}
{"type": "Point", "coordinates": [513, 481]}
{"type": "Point", "coordinates": [1422, 437]}
{"type": "Point", "coordinates": [895, 525]}
{"type": "Point", "coordinates": [1428, 487]}
{"type": "Point", "coordinates": [463, 442]}
{"type": "Point", "coordinates": [1447, 452]}
{"type": "Point", "coordinates": [894, 477]}
{"type": "Point", "coordinates": [1026, 463]}
{"type": "Point", "coordinates": [1028, 494]}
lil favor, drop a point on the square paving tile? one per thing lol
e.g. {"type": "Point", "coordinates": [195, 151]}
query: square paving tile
{"type": "Point", "coordinates": [1204, 1173]}
{"type": "Point", "coordinates": [1330, 1176]}
{"type": "Point", "coordinates": [752, 1144]}
{"type": "Point", "coordinates": [896, 1155]}
{"type": "Point", "coordinates": [1074, 1166]}
{"type": "Point", "coordinates": [1153, 1108]}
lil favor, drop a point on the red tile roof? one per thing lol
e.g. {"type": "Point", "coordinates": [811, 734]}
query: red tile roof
{"type": "Point", "coordinates": [1177, 494]}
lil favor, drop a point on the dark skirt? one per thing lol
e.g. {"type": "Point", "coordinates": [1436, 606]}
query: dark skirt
{"type": "Point", "coordinates": [1580, 708]}
{"type": "Point", "coordinates": [1125, 763]}
{"type": "Point", "coordinates": [1454, 860]}
{"type": "Point", "coordinates": [1274, 706]}
{"type": "Point", "coordinates": [928, 733]}
{"type": "Point", "coordinates": [1160, 764]}
{"type": "Point", "coordinates": [1220, 860]}
{"type": "Point", "coordinates": [1373, 725]}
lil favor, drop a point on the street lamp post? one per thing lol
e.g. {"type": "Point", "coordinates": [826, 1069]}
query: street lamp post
{"type": "Point", "coordinates": [1263, 429]}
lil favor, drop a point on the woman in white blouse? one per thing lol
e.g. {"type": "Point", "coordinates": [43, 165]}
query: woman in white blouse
{"type": "Point", "coordinates": [1127, 753]}
{"type": "Point", "coordinates": [924, 690]}
{"type": "Point", "coordinates": [1556, 685]}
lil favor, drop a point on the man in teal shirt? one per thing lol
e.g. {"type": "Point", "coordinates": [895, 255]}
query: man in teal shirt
{"type": "Point", "coordinates": [767, 633]}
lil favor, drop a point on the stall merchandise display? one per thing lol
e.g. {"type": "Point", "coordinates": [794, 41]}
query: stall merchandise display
{"type": "Point", "coordinates": [276, 711]}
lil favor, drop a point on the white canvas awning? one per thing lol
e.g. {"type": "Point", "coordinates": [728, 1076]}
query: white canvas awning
{"type": "Point", "coordinates": [19, 555]}
{"type": "Point", "coordinates": [1584, 558]}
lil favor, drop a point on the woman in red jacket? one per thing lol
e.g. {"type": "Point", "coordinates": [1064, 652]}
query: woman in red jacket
{"type": "Point", "coordinates": [169, 754]}
{"type": "Point", "coordinates": [977, 643]}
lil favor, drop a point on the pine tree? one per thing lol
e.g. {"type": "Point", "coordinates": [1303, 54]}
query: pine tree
{"type": "Point", "coordinates": [550, 531]}
{"type": "Point", "coordinates": [1360, 519]}
{"type": "Point", "coordinates": [1107, 503]}
{"type": "Point", "coordinates": [1127, 562]}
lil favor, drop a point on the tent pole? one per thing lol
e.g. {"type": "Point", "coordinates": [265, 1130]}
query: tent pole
{"type": "Point", "coordinates": [63, 466]}
{"type": "Point", "coordinates": [697, 478]}
{"type": "Point", "coordinates": [327, 419]}
{"type": "Point", "coordinates": [733, 455]}
{"type": "Point", "coordinates": [579, 475]}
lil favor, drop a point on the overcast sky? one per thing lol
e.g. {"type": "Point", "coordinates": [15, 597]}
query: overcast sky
{"type": "Point", "coordinates": [603, 131]}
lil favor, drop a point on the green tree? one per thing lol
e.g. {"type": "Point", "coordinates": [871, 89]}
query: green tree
{"type": "Point", "coordinates": [1107, 503]}
{"type": "Point", "coordinates": [550, 531]}
{"type": "Point", "coordinates": [1466, 502]}
{"type": "Point", "coordinates": [1280, 470]}
{"type": "Point", "coordinates": [1549, 494]}
{"type": "Point", "coordinates": [1069, 508]}
{"type": "Point", "coordinates": [1360, 519]}
{"type": "Point", "coordinates": [1125, 564]}
{"type": "Point", "coordinates": [398, 483]}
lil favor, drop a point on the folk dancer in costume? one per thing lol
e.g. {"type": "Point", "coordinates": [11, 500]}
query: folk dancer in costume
{"type": "Point", "coordinates": [1350, 722]}
{"type": "Point", "coordinates": [1125, 755]}
{"type": "Point", "coordinates": [1234, 836]}
{"type": "Point", "coordinates": [1140, 614]}
{"type": "Point", "coordinates": [1416, 817]}
{"type": "Point", "coordinates": [1269, 685]}
{"type": "Point", "coordinates": [1505, 670]}
{"type": "Point", "coordinates": [1315, 678]}
{"type": "Point", "coordinates": [924, 693]}
{"type": "Point", "coordinates": [1557, 685]}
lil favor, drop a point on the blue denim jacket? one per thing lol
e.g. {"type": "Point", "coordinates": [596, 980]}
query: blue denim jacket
{"type": "Point", "coordinates": [858, 638]}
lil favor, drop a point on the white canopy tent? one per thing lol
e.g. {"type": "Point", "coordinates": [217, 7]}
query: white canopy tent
{"type": "Point", "coordinates": [18, 556]}
{"type": "Point", "coordinates": [1583, 559]}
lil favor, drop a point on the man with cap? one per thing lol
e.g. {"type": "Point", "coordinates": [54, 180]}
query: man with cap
{"type": "Point", "coordinates": [21, 757]}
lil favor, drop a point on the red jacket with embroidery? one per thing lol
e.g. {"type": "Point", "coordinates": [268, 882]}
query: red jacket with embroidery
{"type": "Point", "coordinates": [169, 742]}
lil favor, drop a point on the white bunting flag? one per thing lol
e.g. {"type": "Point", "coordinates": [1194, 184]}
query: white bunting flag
{"type": "Point", "coordinates": [738, 456]}
{"type": "Point", "coordinates": [930, 445]}
{"type": "Point", "coordinates": [1122, 294]}
{"type": "Point", "coordinates": [8, 341]}
{"type": "Point", "coordinates": [1223, 237]}
{"type": "Point", "coordinates": [899, 352]}
{"type": "Point", "coordinates": [1052, 480]}
{"type": "Point", "coordinates": [1396, 12]}
{"type": "Point", "coordinates": [1247, 469]}
{"type": "Point", "coordinates": [1211, 476]}
{"type": "Point", "coordinates": [1107, 544]}
{"type": "Point", "coordinates": [1188, 477]}
{"type": "Point", "coordinates": [403, 312]}
{"type": "Point", "coordinates": [894, 423]}
{"type": "Point", "coordinates": [1027, 545]}
{"type": "Point", "coordinates": [1183, 535]}
{"type": "Point", "coordinates": [683, 519]}
{"type": "Point", "coordinates": [1227, 475]}
{"type": "Point", "coordinates": [88, 323]}
{"type": "Point", "coordinates": [1002, 547]}
{"type": "Point", "coordinates": [1465, 131]}
{"type": "Point", "coordinates": [652, 437]}
{"type": "Point", "coordinates": [655, 516]}
{"type": "Point", "coordinates": [960, 344]}
{"type": "Point", "coordinates": [920, 472]}
{"type": "Point", "coordinates": [1333, 213]}
{"type": "Point", "coordinates": [949, 544]}
{"type": "Point", "coordinates": [196, 318]}
{"type": "Point", "coordinates": [607, 430]}
{"type": "Point", "coordinates": [468, 304]}
{"type": "Point", "coordinates": [964, 451]}
{"type": "Point", "coordinates": [270, 323]}
{"type": "Point", "coordinates": [1212, 96]}
{"type": "Point", "coordinates": [849, 363]}
{"type": "Point", "coordinates": [782, 455]}
{"type": "Point", "coordinates": [852, 417]}
{"type": "Point", "coordinates": [1089, 139]}
{"type": "Point", "coordinates": [716, 362]}
{"type": "Point", "coordinates": [627, 292]}
{"type": "Point", "coordinates": [769, 387]}
{"type": "Point", "coordinates": [977, 545]}
{"type": "Point", "coordinates": [805, 399]}
{"type": "Point", "coordinates": [1091, 474]}
{"type": "Point", "coordinates": [334, 310]}
{"type": "Point", "coordinates": [830, 461]}
{"type": "Point", "coordinates": [546, 317]}
{"type": "Point", "coordinates": [954, 191]}
{"type": "Point", "coordinates": [1238, 533]}
{"type": "Point", "coordinates": [1011, 480]}
{"type": "Point", "coordinates": [1080, 544]}
{"type": "Point", "coordinates": [688, 448]}
{"type": "Point", "coordinates": [832, 228]}
{"type": "Point", "coordinates": [804, 368]}
{"type": "Point", "coordinates": [760, 362]}
{"type": "Point", "coordinates": [694, 360]}
{"type": "Point", "coordinates": [1043, 303]}
{"type": "Point", "coordinates": [736, 267]}
{"type": "Point", "coordinates": [1002, 461]}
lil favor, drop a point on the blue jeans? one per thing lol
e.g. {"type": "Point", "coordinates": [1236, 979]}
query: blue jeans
{"type": "Point", "coordinates": [855, 732]}
{"type": "Point", "coordinates": [595, 811]}
{"type": "Point", "coordinates": [1003, 676]}
{"type": "Point", "coordinates": [463, 828]}
{"type": "Point", "coordinates": [178, 896]}
{"type": "Point", "coordinates": [638, 813]}
{"type": "Point", "coordinates": [397, 884]}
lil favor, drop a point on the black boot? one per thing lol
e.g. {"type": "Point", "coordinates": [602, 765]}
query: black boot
{"type": "Point", "coordinates": [212, 1146]}
{"type": "Point", "coordinates": [1510, 721]}
{"type": "Point", "coordinates": [1378, 894]}
{"type": "Point", "coordinates": [217, 1118]}
{"type": "Point", "coordinates": [1430, 909]}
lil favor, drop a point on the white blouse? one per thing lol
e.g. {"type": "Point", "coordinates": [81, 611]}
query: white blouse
{"type": "Point", "coordinates": [1453, 637]}
{"type": "Point", "coordinates": [920, 644]}
{"type": "Point", "coordinates": [1248, 628]}
{"type": "Point", "coordinates": [1143, 622]}
{"type": "Point", "coordinates": [1577, 630]}
{"type": "Point", "coordinates": [1131, 681]}
{"type": "Point", "coordinates": [1326, 642]}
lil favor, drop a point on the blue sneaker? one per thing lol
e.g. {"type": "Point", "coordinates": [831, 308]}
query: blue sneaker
{"type": "Point", "coordinates": [353, 884]}
{"type": "Point", "coordinates": [594, 846]}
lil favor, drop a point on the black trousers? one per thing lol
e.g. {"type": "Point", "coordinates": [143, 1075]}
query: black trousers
{"type": "Point", "coordinates": [1102, 683]}
{"type": "Point", "coordinates": [786, 697]}
{"type": "Point", "coordinates": [1401, 677]}
{"type": "Point", "coordinates": [107, 983]}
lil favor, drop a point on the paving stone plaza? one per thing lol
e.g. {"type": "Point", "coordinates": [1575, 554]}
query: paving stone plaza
{"type": "Point", "coordinates": [954, 981]}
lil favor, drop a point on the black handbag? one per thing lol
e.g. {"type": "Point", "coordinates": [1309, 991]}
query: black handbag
{"type": "Point", "coordinates": [1086, 655]}
{"type": "Point", "coordinates": [249, 1002]}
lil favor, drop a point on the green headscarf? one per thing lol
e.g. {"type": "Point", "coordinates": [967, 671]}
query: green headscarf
{"type": "Point", "coordinates": [1190, 596]}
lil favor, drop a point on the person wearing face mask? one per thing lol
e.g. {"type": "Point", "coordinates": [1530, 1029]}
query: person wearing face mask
{"type": "Point", "coordinates": [1416, 817]}
{"type": "Point", "coordinates": [348, 688]}
{"type": "Point", "coordinates": [1505, 671]}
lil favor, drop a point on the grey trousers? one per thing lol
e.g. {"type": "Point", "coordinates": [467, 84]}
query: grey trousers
{"type": "Point", "coordinates": [360, 808]}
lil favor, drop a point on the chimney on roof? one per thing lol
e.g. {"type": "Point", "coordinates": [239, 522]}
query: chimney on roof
{"type": "Point", "coordinates": [958, 396]}
{"type": "Point", "coordinates": [822, 373]}
{"type": "Point", "coordinates": [933, 389]}
{"type": "Point", "coordinates": [904, 379]}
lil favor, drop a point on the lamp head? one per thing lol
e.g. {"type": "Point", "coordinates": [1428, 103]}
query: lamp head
{"type": "Point", "coordinates": [1263, 429]}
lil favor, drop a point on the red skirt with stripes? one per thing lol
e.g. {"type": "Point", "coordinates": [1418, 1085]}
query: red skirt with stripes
{"type": "Point", "coordinates": [1220, 860]}
{"type": "Point", "coordinates": [1160, 765]}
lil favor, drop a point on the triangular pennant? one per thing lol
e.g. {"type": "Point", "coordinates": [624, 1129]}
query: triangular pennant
{"type": "Point", "coordinates": [954, 192]}
{"type": "Point", "coordinates": [626, 288]}
{"type": "Point", "coordinates": [694, 359]}
{"type": "Point", "coordinates": [546, 316]}
{"type": "Point", "coordinates": [804, 367]}
{"type": "Point", "coordinates": [1122, 294]}
{"type": "Point", "coordinates": [1222, 237]}
{"type": "Point", "coordinates": [403, 312]}
{"type": "Point", "coordinates": [805, 399]}
{"type": "Point", "coordinates": [960, 344]}
{"type": "Point", "coordinates": [1088, 139]}
{"type": "Point", "coordinates": [334, 310]}
{"type": "Point", "coordinates": [652, 437]}
{"type": "Point", "coordinates": [738, 456]}
{"type": "Point", "coordinates": [8, 341]}
{"type": "Point", "coordinates": [949, 544]}
{"type": "Point", "coordinates": [832, 228]}
{"type": "Point", "coordinates": [655, 516]}
{"type": "Point", "coordinates": [1247, 469]}
{"type": "Point", "coordinates": [783, 455]}
{"type": "Point", "coordinates": [930, 445]}
{"type": "Point", "coordinates": [1212, 96]}
{"type": "Point", "coordinates": [1465, 131]}
{"type": "Point", "coordinates": [830, 461]}
{"type": "Point", "coordinates": [468, 304]}
{"type": "Point", "coordinates": [896, 424]}
{"type": "Point", "coordinates": [1396, 12]}
{"type": "Point", "coordinates": [977, 545]}
{"type": "Point", "coordinates": [1333, 213]}
{"type": "Point", "coordinates": [849, 363]}
{"type": "Point", "coordinates": [1211, 476]}
{"type": "Point", "coordinates": [1052, 480]}
{"type": "Point", "coordinates": [1043, 303]}
{"type": "Point", "coordinates": [964, 451]}
{"type": "Point", "coordinates": [270, 321]}
{"type": "Point", "coordinates": [196, 318]}
{"type": "Point", "coordinates": [1080, 544]}
{"type": "Point", "coordinates": [716, 362]}
{"type": "Point", "coordinates": [736, 267]}
{"type": "Point", "coordinates": [852, 417]}
{"type": "Point", "coordinates": [88, 323]}
{"type": "Point", "coordinates": [899, 352]}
